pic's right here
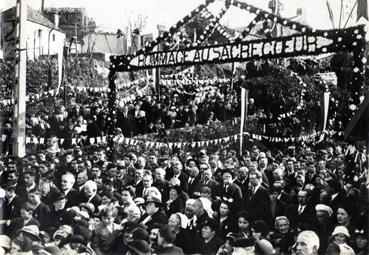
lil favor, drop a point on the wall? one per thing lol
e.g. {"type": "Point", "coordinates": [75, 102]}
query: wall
{"type": "Point", "coordinates": [38, 42]}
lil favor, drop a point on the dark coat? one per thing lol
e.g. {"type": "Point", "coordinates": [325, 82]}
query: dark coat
{"type": "Point", "coordinates": [266, 214]}
{"type": "Point", "coordinates": [232, 194]}
{"type": "Point", "coordinates": [302, 221]}
{"type": "Point", "coordinates": [73, 198]}
{"type": "Point", "coordinates": [254, 202]}
{"type": "Point", "coordinates": [192, 186]}
{"type": "Point", "coordinates": [163, 187]}
{"type": "Point", "coordinates": [177, 205]}
{"type": "Point", "coordinates": [212, 184]}
{"type": "Point", "coordinates": [158, 217]}
{"type": "Point", "coordinates": [211, 247]}
{"type": "Point", "coordinates": [41, 213]}
{"type": "Point", "coordinates": [227, 226]}
{"type": "Point", "coordinates": [174, 250]}
{"type": "Point", "coordinates": [12, 209]}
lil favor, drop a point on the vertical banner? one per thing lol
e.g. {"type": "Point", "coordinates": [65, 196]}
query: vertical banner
{"type": "Point", "coordinates": [244, 106]}
{"type": "Point", "coordinates": [324, 103]}
{"type": "Point", "coordinates": [60, 71]}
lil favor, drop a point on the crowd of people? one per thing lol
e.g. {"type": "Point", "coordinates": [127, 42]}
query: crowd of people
{"type": "Point", "coordinates": [72, 198]}
{"type": "Point", "coordinates": [76, 201]}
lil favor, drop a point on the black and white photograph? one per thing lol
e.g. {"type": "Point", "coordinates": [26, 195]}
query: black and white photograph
{"type": "Point", "coordinates": [184, 127]}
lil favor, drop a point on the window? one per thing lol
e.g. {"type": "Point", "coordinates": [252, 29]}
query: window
{"type": "Point", "coordinates": [53, 37]}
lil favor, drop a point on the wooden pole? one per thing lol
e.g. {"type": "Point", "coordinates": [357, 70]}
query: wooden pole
{"type": "Point", "coordinates": [19, 125]}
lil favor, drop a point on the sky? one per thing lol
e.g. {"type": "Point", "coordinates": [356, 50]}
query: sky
{"type": "Point", "coordinates": [113, 14]}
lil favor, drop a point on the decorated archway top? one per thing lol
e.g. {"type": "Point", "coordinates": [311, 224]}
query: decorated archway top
{"type": "Point", "coordinates": [260, 15]}
{"type": "Point", "coordinates": [311, 43]}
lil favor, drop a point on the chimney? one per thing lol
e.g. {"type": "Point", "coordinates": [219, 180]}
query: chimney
{"type": "Point", "coordinates": [301, 10]}
{"type": "Point", "coordinates": [56, 20]}
{"type": "Point", "coordinates": [42, 6]}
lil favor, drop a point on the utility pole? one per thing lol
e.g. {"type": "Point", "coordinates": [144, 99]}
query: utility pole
{"type": "Point", "coordinates": [75, 34]}
{"type": "Point", "coordinates": [19, 125]}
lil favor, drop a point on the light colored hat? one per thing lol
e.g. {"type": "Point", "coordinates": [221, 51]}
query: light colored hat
{"type": "Point", "coordinates": [139, 201]}
{"type": "Point", "coordinates": [5, 242]}
{"type": "Point", "coordinates": [32, 230]}
{"type": "Point", "coordinates": [266, 247]}
{"type": "Point", "coordinates": [184, 220]}
{"type": "Point", "coordinates": [325, 208]}
{"type": "Point", "coordinates": [341, 230]}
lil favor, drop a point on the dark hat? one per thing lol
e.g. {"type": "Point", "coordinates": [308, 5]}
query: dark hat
{"type": "Point", "coordinates": [140, 234]}
{"type": "Point", "coordinates": [212, 223]}
{"type": "Point", "coordinates": [260, 226]}
{"type": "Point", "coordinates": [334, 184]}
{"type": "Point", "coordinates": [56, 196]}
{"type": "Point", "coordinates": [243, 242]}
{"type": "Point", "coordinates": [140, 247]}
{"type": "Point", "coordinates": [276, 187]}
{"type": "Point", "coordinates": [73, 239]}
{"type": "Point", "coordinates": [228, 170]}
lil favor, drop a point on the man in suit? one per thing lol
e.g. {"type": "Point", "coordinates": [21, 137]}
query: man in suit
{"type": "Point", "coordinates": [41, 210]}
{"type": "Point", "coordinates": [147, 182]}
{"type": "Point", "coordinates": [29, 178]}
{"type": "Point", "coordinates": [229, 191]}
{"type": "Point", "coordinates": [207, 181]}
{"type": "Point", "coordinates": [13, 202]}
{"type": "Point", "coordinates": [179, 174]}
{"type": "Point", "coordinates": [242, 180]}
{"type": "Point", "coordinates": [257, 195]}
{"type": "Point", "coordinates": [161, 183]}
{"type": "Point", "coordinates": [301, 215]}
{"type": "Point", "coordinates": [66, 185]}
{"type": "Point", "coordinates": [124, 121]}
{"type": "Point", "coordinates": [193, 180]}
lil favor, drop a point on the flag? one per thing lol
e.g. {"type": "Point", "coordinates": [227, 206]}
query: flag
{"type": "Point", "coordinates": [244, 106]}
{"type": "Point", "coordinates": [362, 9]}
{"type": "Point", "coordinates": [324, 103]}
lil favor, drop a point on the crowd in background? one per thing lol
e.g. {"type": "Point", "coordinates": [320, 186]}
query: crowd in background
{"type": "Point", "coordinates": [76, 201]}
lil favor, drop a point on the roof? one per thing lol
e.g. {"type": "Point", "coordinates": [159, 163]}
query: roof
{"type": "Point", "coordinates": [105, 43]}
{"type": "Point", "coordinates": [65, 10]}
{"type": "Point", "coordinates": [32, 15]}
{"type": "Point", "coordinates": [37, 17]}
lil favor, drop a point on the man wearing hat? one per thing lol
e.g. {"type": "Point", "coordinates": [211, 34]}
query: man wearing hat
{"type": "Point", "coordinates": [210, 242]}
{"type": "Point", "coordinates": [153, 213]}
{"type": "Point", "coordinates": [24, 239]}
{"type": "Point", "coordinates": [229, 191]}
{"type": "Point", "coordinates": [58, 214]}
{"type": "Point", "coordinates": [13, 202]}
